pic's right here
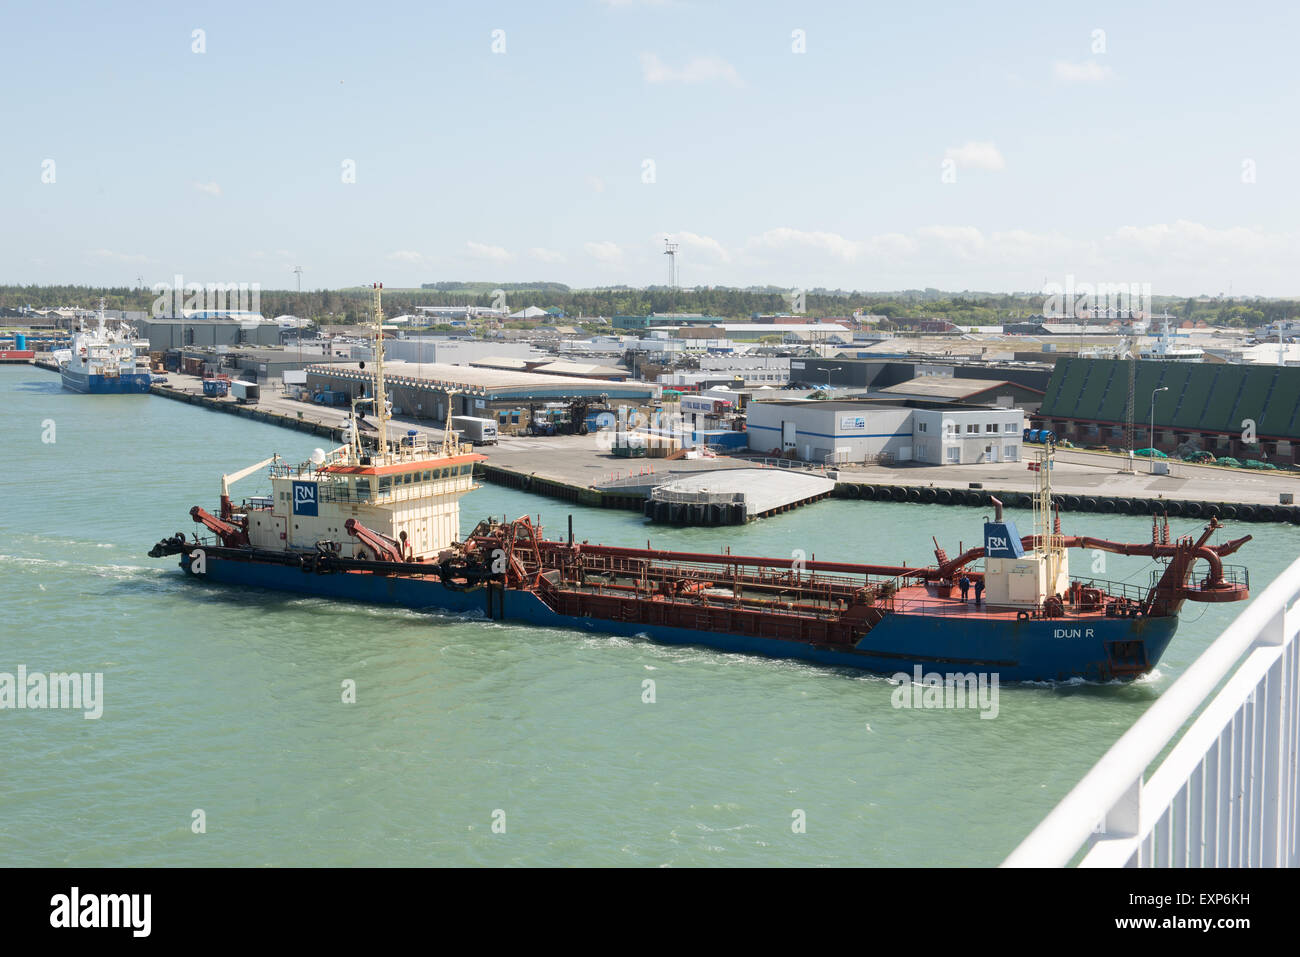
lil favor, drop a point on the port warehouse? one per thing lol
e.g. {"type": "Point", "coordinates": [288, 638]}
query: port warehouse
{"type": "Point", "coordinates": [871, 430]}
{"type": "Point", "coordinates": [849, 373]}
{"type": "Point", "coordinates": [1210, 404]}
{"type": "Point", "coordinates": [979, 392]}
{"type": "Point", "coordinates": [420, 390]}
{"type": "Point", "coordinates": [165, 334]}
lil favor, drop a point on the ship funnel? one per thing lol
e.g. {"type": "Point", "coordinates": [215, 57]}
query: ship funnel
{"type": "Point", "coordinates": [997, 504]}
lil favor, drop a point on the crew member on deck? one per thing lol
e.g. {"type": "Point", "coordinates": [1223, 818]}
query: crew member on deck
{"type": "Point", "coordinates": [964, 585]}
{"type": "Point", "coordinates": [979, 591]}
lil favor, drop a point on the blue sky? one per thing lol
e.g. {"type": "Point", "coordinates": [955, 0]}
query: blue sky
{"type": "Point", "coordinates": [820, 168]}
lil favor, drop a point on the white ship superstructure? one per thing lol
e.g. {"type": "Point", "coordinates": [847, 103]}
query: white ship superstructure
{"type": "Point", "coordinates": [108, 359]}
{"type": "Point", "coordinates": [373, 498]}
{"type": "Point", "coordinates": [1166, 349]}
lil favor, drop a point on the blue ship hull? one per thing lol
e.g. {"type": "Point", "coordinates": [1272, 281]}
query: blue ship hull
{"type": "Point", "coordinates": [131, 383]}
{"type": "Point", "coordinates": [1099, 649]}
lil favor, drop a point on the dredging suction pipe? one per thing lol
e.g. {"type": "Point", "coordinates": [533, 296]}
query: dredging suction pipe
{"type": "Point", "coordinates": [1210, 553]}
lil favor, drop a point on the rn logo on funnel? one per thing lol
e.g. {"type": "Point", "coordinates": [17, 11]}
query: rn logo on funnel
{"type": "Point", "coordinates": [304, 498]}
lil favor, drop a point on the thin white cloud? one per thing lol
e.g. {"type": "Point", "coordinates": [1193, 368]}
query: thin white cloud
{"type": "Point", "coordinates": [699, 69]}
{"type": "Point", "coordinates": [1089, 71]}
{"type": "Point", "coordinates": [212, 188]}
{"type": "Point", "coordinates": [1176, 258]}
{"type": "Point", "coordinates": [967, 242]}
{"type": "Point", "coordinates": [976, 155]}
{"type": "Point", "coordinates": [606, 252]}
{"type": "Point", "coordinates": [784, 237]}
{"type": "Point", "coordinates": [546, 255]}
{"type": "Point", "coordinates": [596, 183]}
{"type": "Point", "coordinates": [109, 255]}
{"type": "Point", "coordinates": [495, 254]}
{"type": "Point", "coordinates": [409, 256]}
{"type": "Point", "coordinates": [694, 243]}
{"type": "Point", "coordinates": [1190, 241]}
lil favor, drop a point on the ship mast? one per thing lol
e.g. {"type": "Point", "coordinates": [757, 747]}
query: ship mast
{"type": "Point", "coordinates": [1046, 538]}
{"type": "Point", "coordinates": [381, 397]}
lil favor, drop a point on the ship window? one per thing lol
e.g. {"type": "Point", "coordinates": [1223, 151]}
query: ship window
{"type": "Point", "coordinates": [385, 483]}
{"type": "Point", "coordinates": [363, 487]}
{"type": "Point", "coordinates": [428, 475]}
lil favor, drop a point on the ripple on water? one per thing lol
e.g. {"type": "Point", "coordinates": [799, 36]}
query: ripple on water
{"type": "Point", "coordinates": [233, 702]}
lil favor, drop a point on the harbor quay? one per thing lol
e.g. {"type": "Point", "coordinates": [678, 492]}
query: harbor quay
{"type": "Point", "coordinates": [582, 469]}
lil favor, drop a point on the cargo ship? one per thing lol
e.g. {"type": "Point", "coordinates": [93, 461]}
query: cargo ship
{"type": "Point", "coordinates": [377, 520]}
{"type": "Point", "coordinates": [106, 360]}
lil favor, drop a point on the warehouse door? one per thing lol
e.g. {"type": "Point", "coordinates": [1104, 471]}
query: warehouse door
{"type": "Point", "coordinates": [788, 435]}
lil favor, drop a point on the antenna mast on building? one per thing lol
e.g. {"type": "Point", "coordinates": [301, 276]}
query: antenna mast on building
{"type": "Point", "coordinates": [670, 250]}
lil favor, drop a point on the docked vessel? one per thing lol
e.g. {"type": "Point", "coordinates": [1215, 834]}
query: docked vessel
{"type": "Point", "coordinates": [1167, 350]}
{"type": "Point", "coordinates": [106, 360]}
{"type": "Point", "coordinates": [377, 521]}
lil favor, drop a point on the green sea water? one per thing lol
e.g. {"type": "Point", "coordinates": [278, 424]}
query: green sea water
{"type": "Point", "coordinates": [230, 703]}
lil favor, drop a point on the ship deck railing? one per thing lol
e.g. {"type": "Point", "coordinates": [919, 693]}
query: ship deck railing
{"type": "Point", "coordinates": [956, 606]}
{"type": "Point", "coordinates": [1232, 575]}
{"type": "Point", "coordinates": [1125, 590]}
{"type": "Point", "coordinates": [1227, 794]}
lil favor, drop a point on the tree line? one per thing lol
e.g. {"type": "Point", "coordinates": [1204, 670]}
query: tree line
{"type": "Point", "coordinates": [347, 306]}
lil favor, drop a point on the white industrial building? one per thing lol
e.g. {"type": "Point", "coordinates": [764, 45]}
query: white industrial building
{"type": "Point", "coordinates": [829, 431]}
{"type": "Point", "coordinates": [965, 436]}
{"type": "Point", "coordinates": [441, 349]}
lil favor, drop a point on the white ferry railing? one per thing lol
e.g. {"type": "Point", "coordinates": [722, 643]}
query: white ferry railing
{"type": "Point", "coordinates": [1226, 794]}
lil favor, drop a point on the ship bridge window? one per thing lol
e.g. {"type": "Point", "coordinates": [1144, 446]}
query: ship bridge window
{"type": "Point", "coordinates": [385, 483]}
{"type": "Point", "coordinates": [363, 487]}
{"type": "Point", "coordinates": [428, 476]}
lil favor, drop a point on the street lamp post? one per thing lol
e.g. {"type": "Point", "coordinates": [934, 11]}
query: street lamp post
{"type": "Point", "coordinates": [1152, 443]}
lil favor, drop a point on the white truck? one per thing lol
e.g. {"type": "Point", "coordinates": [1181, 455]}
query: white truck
{"type": "Point", "coordinates": [476, 430]}
{"type": "Point", "coordinates": [244, 392]}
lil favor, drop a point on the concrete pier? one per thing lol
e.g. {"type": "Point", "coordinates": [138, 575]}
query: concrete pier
{"type": "Point", "coordinates": [733, 496]}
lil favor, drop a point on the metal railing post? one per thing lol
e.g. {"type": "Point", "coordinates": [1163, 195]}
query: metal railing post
{"type": "Point", "coordinates": [1226, 793]}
